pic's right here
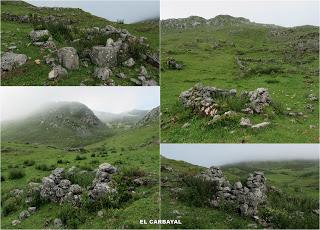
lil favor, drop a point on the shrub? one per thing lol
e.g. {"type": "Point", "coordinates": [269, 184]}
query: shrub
{"type": "Point", "coordinates": [10, 205]}
{"type": "Point", "coordinates": [45, 167]}
{"type": "Point", "coordinates": [197, 191]}
{"type": "Point", "coordinates": [16, 174]}
{"type": "Point", "coordinates": [59, 161]}
{"type": "Point", "coordinates": [133, 172]}
{"type": "Point", "coordinates": [59, 31]}
{"type": "Point", "coordinates": [93, 155]}
{"type": "Point", "coordinates": [28, 162]}
{"type": "Point", "coordinates": [135, 49]}
{"type": "Point", "coordinates": [71, 216]}
{"type": "Point", "coordinates": [80, 158]}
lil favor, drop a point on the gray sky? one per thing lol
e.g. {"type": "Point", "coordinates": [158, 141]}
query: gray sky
{"type": "Point", "coordinates": [17, 102]}
{"type": "Point", "coordinates": [281, 12]}
{"type": "Point", "coordinates": [128, 10]}
{"type": "Point", "coordinates": [221, 154]}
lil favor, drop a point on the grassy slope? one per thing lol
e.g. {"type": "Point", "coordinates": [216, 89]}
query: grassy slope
{"type": "Point", "coordinates": [217, 67]}
{"type": "Point", "coordinates": [33, 74]}
{"type": "Point", "coordinates": [295, 178]}
{"type": "Point", "coordinates": [134, 148]}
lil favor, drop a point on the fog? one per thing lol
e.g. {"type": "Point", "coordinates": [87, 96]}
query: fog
{"type": "Point", "coordinates": [283, 12]}
{"type": "Point", "coordinates": [18, 102]}
{"type": "Point", "coordinates": [220, 154]}
{"type": "Point", "coordinates": [128, 10]}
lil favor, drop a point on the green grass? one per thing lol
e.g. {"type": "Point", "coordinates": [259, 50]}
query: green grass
{"type": "Point", "coordinates": [33, 74]}
{"type": "Point", "coordinates": [217, 67]}
{"type": "Point", "coordinates": [128, 150]}
{"type": "Point", "coordinates": [296, 181]}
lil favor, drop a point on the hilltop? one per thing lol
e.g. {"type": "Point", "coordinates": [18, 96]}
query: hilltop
{"type": "Point", "coordinates": [292, 191]}
{"type": "Point", "coordinates": [62, 124]}
{"type": "Point", "coordinates": [68, 46]}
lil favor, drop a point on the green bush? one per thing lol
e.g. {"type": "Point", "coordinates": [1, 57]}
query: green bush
{"type": "Point", "coordinates": [28, 162]}
{"type": "Point", "coordinates": [3, 178]}
{"type": "Point", "coordinates": [60, 161]}
{"type": "Point", "coordinates": [93, 155]}
{"type": "Point", "coordinates": [133, 172]}
{"type": "Point", "coordinates": [71, 216]}
{"type": "Point", "coordinates": [10, 205]}
{"type": "Point", "coordinates": [16, 174]}
{"type": "Point", "coordinates": [45, 167]}
{"type": "Point", "coordinates": [197, 191]}
{"type": "Point", "coordinates": [80, 158]}
{"type": "Point", "coordinates": [83, 179]}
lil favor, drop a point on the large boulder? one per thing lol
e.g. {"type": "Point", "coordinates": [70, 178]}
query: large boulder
{"type": "Point", "coordinates": [39, 35]}
{"type": "Point", "coordinates": [68, 57]}
{"type": "Point", "coordinates": [104, 56]}
{"type": "Point", "coordinates": [11, 60]}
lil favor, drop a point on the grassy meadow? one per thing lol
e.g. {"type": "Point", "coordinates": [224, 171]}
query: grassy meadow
{"type": "Point", "coordinates": [209, 54]}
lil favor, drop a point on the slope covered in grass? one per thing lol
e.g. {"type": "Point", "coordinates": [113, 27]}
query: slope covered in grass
{"type": "Point", "coordinates": [292, 197]}
{"type": "Point", "coordinates": [241, 56]}
{"type": "Point", "coordinates": [16, 33]}
{"type": "Point", "coordinates": [134, 152]}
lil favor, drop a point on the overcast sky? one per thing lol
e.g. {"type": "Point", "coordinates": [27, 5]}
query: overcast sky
{"type": "Point", "coordinates": [17, 102]}
{"type": "Point", "coordinates": [221, 154]}
{"type": "Point", "coordinates": [281, 12]}
{"type": "Point", "coordinates": [128, 10]}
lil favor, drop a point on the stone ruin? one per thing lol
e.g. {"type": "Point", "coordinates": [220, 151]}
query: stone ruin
{"type": "Point", "coordinates": [247, 197]}
{"type": "Point", "coordinates": [206, 101]}
{"type": "Point", "coordinates": [58, 189]}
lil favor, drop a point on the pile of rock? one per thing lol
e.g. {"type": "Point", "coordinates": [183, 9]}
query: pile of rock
{"type": "Point", "coordinates": [42, 38]}
{"type": "Point", "coordinates": [206, 100]}
{"type": "Point", "coordinates": [247, 197]}
{"type": "Point", "coordinates": [56, 188]}
{"type": "Point", "coordinates": [102, 183]}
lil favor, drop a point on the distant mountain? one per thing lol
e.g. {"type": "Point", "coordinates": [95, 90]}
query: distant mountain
{"type": "Point", "coordinates": [122, 119]}
{"type": "Point", "coordinates": [150, 117]}
{"type": "Point", "coordinates": [60, 124]}
{"type": "Point", "coordinates": [196, 21]}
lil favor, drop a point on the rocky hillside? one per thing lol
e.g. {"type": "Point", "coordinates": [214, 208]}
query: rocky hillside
{"type": "Point", "coordinates": [151, 117]}
{"type": "Point", "coordinates": [64, 46]}
{"type": "Point", "coordinates": [243, 195]}
{"type": "Point", "coordinates": [63, 123]}
{"type": "Point", "coordinates": [196, 21]}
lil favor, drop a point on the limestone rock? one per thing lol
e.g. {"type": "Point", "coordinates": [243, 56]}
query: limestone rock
{"type": "Point", "coordinates": [68, 58]}
{"type": "Point", "coordinates": [102, 73]}
{"type": "Point", "coordinates": [11, 60]}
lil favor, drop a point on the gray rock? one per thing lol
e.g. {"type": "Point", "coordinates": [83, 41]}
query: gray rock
{"type": "Point", "coordinates": [129, 63]}
{"type": "Point", "coordinates": [104, 56]}
{"type": "Point", "coordinates": [102, 73]}
{"type": "Point", "coordinates": [135, 81]}
{"type": "Point", "coordinates": [56, 72]}
{"type": "Point", "coordinates": [11, 60]}
{"type": "Point", "coordinates": [121, 75]}
{"type": "Point", "coordinates": [138, 181]}
{"type": "Point", "coordinates": [105, 167]}
{"type": "Point", "coordinates": [15, 222]}
{"type": "Point", "coordinates": [238, 185]}
{"type": "Point", "coordinates": [100, 213]}
{"type": "Point", "coordinates": [68, 58]}
{"type": "Point", "coordinates": [260, 125]}
{"type": "Point", "coordinates": [245, 122]}
{"type": "Point", "coordinates": [57, 223]}
{"type": "Point", "coordinates": [24, 215]}
{"type": "Point", "coordinates": [37, 35]}
{"type": "Point", "coordinates": [32, 209]}
{"type": "Point", "coordinates": [75, 189]}
{"type": "Point", "coordinates": [16, 192]}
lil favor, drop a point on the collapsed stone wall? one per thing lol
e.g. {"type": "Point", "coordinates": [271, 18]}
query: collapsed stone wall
{"type": "Point", "coordinates": [247, 197]}
{"type": "Point", "coordinates": [207, 101]}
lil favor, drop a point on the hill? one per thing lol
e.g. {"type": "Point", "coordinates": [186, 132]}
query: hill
{"type": "Point", "coordinates": [235, 56]}
{"type": "Point", "coordinates": [39, 33]}
{"type": "Point", "coordinates": [135, 154]}
{"type": "Point", "coordinates": [67, 124]}
{"type": "Point", "coordinates": [292, 196]}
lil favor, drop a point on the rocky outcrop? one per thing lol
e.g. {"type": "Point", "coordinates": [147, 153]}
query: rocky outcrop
{"type": "Point", "coordinates": [248, 197]}
{"type": "Point", "coordinates": [9, 61]}
{"type": "Point", "coordinates": [68, 58]}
